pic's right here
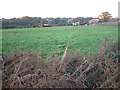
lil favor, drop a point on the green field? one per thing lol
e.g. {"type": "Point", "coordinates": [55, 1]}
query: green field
{"type": "Point", "coordinates": [50, 39]}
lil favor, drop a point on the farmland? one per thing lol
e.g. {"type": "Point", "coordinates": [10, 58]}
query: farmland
{"type": "Point", "coordinates": [49, 40]}
{"type": "Point", "coordinates": [32, 70]}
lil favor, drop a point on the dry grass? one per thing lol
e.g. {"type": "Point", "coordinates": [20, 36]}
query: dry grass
{"type": "Point", "coordinates": [30, 70]}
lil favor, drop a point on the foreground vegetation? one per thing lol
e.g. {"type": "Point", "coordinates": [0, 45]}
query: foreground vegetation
{"type": "Point", "coordinates": [30, 70]}
{"type": "Point", "coordinates": [25, 66]}
{"type": "Point", "coordinates": [55, 39]}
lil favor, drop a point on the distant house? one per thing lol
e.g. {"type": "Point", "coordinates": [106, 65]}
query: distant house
{"type": "Point", "coordinates": [77, 23]}
{"type": "Point", "coordinates": [93, 21]}
{"type": "Point", "coordinates": [114, 20]}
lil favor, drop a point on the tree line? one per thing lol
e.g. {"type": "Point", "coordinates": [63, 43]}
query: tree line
{"type": "Point", "coordinates": [29, 22]}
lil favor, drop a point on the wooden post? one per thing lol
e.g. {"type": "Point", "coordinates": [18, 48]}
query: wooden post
{"type": "Point", "coordinates": [65, 53]}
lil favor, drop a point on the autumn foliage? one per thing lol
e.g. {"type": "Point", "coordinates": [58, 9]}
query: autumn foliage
{"type": "Point", "coordinates": [105, 16]}
{"type": "Point", "coordinates": [30, 70]}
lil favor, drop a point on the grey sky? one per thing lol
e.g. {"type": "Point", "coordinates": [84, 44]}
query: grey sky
{"type": "Point", "coordinates": [57, 8]}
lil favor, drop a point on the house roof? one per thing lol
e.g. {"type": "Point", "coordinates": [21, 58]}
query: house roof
{"type": "Point", "coordinates": [93, 20]}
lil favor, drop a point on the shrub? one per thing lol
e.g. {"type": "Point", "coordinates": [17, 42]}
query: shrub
{"type": "Point", "coordinates": [30, 70]}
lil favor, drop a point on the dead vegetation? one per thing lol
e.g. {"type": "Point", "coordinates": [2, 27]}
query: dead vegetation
{"type": "Point", "coordinates": [30, 70]}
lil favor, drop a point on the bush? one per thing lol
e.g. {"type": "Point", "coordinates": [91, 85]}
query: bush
{"type": "Point", "coordinates": [30, 70]}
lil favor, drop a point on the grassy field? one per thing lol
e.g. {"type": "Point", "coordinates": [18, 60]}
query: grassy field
{"type": "Point", "coordinates": [51, 39]}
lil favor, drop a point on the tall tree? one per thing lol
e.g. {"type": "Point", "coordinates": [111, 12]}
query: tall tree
{"type": "Point", "coordinates": [105, 16]}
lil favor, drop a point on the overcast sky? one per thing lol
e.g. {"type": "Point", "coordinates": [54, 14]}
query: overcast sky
{"type": "Point", "coordinates": [57, 8]}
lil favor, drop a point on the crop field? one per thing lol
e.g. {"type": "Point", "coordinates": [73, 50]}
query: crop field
{"type": "Point", "coordinates": [52, 39]}
{"type": "Point", "coordinates": [96, 66]}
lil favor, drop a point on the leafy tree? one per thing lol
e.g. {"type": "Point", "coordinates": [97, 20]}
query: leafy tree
{"type": "Point", "coordinates": [105, 16]}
